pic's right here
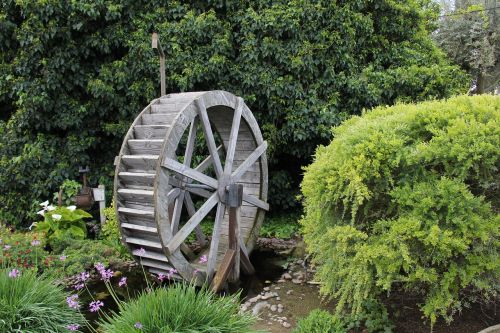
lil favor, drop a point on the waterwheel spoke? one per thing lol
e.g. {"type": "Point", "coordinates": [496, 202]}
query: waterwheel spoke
{"type": "Point", "coordinates": [248, 162]}
{"type": "Point", "coordinates": [209, 137]}
{"type": "Point", "coordinates": [214, 245]}
{"type": "Point", "coordinates": [186, 171]}
{"type": "Point", "coordinates": [255, 201]}
{"type": "Point", "coordinates": [188, 154]}
{"type": "Point", "coordinates": [207, 162]}
{"type": "Point", "coordinates": [233, 137]}
{"type": "Point", "coordinates": [184, 232]}
{"type": "Point", "coordinates": [176, 215]}
{"type": "Point", "coordinates": [188, 201]}
{"type": "Point", "coordinates": [173, 194]}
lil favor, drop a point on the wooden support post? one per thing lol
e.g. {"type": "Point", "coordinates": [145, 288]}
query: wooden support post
{"type": "Point", "coordinates": [99, 194]}
{"type": "Point", "coordinates": [223, 271]}
{"type": "Point", "coordinates": [234, 200]}
{"type": "Point", "coordinates": [155, 43]}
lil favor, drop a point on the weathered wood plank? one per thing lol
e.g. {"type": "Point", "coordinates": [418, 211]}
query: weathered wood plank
{"type": "Point", "coordinates": [175, 166]}
{"type": "Point", "coordinates": [249, 161]}
{"type": "Point", "coordinates": [150, 131]}
{"type": "Point", "coordinates": [139, 228]}
{"type": "Point", "coordinates": [136, 212]}
{"type": "Point", "coordinates": [209, 137]}
{"type": "Point", "coordinates": [136, 195]}
{"type": "Point", "coordinates": [223, 271]}
{"type": "Point", "coordinates": [158, 118]}
{"type": "Point", "coordinates": [142, 242]}
{"type": "Point", "coordinates": [184, 232]}
{"type": "Point", "coordinates": [145, 146]}
{"type": "Point", "coordinates": [141, 162]}
{"type": "Point", "coordinates": [200, 236]}
{"type": "Point", "coordinates": [214, 245]}
{"type": "Point", "coordinates": [137, 178]}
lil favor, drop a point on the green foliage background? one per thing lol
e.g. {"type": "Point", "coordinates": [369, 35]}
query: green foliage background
{"type": "Point", "coordinates": [74, 74]}
{"type": "Point", "coordinates": [407, 197]}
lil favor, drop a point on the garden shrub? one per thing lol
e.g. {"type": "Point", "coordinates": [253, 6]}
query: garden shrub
{"type": "Point", "coordinates": [32, 304]}
{"type": "Point", "coordinates": [179, 308]}
{"type": "Point", "coordinates": [81, 255]}
{"type": "Point", "coordinates": [407, 197]}
{"type": "Point", "coordinates": [73, 75]}
{"type": "Point", "coordinates": [373, 319]}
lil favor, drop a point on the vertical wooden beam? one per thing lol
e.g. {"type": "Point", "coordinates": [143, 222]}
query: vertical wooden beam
{"type": "Point", "coordinates": [155, 44]}
{"type": "Point", "coordinates": [234, 232]}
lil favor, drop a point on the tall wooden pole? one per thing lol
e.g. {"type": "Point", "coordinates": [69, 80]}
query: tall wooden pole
{"type": "Point", "coordinates": [155, 43]}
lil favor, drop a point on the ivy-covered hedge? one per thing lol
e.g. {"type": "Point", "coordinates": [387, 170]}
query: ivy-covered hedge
{"type": "Point", "coordinates": [73, 75]}
{"type": "Point", "coordinates": [408, 197]}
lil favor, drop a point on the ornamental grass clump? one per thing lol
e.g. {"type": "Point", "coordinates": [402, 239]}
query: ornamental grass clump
{"type": "Point", "coordinates": [179, 308]}
{"type": "Point", "coordinates": [407, 197]}
{"type": "Point", "coordinates": [32, 304]}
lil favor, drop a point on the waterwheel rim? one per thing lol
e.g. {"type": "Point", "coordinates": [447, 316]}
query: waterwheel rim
{"type": "Point", "coordinates": [216, 112]}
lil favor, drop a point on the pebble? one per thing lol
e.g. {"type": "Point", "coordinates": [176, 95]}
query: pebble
{"type": "Point", "coordinates": [274, 308]}
{"type": "Point", "coordinates": [286, 276]}
{"type": "Point", "coordinates": [297, 281]}
{"type": "Point", "coordinates": [255, 299]}
{"type": "Point", "coordinates": [286, 325]}
{"type": "Point", "coordinates": [267, 289]}
{"type": "Point", "coordinates": [289, 292]}
{"type": "Point", "coordinates": [259, 307]}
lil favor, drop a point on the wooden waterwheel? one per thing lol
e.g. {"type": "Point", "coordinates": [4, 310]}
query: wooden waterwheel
{"type": "Point", "coordinates": [162, 193]}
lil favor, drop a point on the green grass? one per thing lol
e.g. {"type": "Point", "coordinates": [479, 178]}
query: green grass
{"type": "Point", "coordinates": [179, 308]}
{"type": "Point", "coordinates": [32, 304]}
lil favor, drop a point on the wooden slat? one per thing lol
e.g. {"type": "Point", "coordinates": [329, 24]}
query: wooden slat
{"type": "Point", "coordinates": [139, 228]}
{"type": "Point", "coordinates": [207, 162]}
{"type": "Point", "coordinates": [145, 146]}
{"type": "Point", "coordinates": [136, 195]}
{"type": "Point", "coordinates": [141, 162]}
{"type": "Point", "coordinates": [200, 236]}
{"type": "Point", "coordinates": [158, 118]}
{"type": "Point", "coordinates": [184, 232]}
{"type": "Point", "coordinates": [153, 255]}
{"type": "Point", "coordinates": [137, 178]}
{"type": "Point", "coordinates": [156, 264]}
{"type": "Point", "coordinates": [150, 131]}
{"type": "Point", "coordinates": [142, 242]}
{"type": "Point", "coordinates": [136, 212]}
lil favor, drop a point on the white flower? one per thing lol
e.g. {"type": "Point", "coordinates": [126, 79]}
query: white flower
{"type": "Point", "coordinates": [45, 204]}
{"type": "Point", "coordinates": [49, 208]}
{"type": "Point", "coordinates": [56, 217]}
{"type": "Point", "coordinates": [41, 212]}
{"type": "Point", "coordinates": [33, 224]}
{"type": "Point", "coordinates": [71, 208]}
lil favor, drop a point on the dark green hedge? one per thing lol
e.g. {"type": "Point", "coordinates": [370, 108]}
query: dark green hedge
{"type": "Point", "coordinates": [73, 74]}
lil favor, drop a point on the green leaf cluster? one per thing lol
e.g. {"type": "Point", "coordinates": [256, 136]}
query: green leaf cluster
{"type": "Point", "coordinates": [407, 197]}
{"type": "Point", "coordinates": [74, 74]}
{"type": "Point", "coordinates": [63, 222]}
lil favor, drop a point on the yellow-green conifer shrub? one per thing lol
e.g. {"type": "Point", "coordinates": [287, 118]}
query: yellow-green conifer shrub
{"type": "Point", "coordinates": [407, 197]}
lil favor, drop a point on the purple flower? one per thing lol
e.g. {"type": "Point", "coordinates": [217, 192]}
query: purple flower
{"type": "Point", "coordinates": [122, 282]}
{"type": "Point", "coordinates": [35, 242]}
{"type": "Point", "coordinates": [100, 267]}
{"type": "Point", "coordinates": [83, 276]}
{"type": "Point", "coordinates": [79, 286]}
{"type": "Point", "coordinates": [171, 273]}
{"type": "Point", "coordinates": [138, 325]}
{"type": "Point", "coordinates": [73, 301]}
{"type": "Point", "coordinates": [140, 252]}
{"type": "Point", "coordinates": [7, 247]}
{"type": "Point", "coordinates": [203, 259]}
{"type": "Point", "coordinates": [161, 276]}
{"type": "Point", "coordinates": [73, 327]}
{"type": "Point", "coordinates": [95, 306]}
{"type": "Point", "coordinates": [106, 275]}
{"type": "Point", "coordinates": [14, 273]}
{"type": "Point", "coordinates": [62, 258]}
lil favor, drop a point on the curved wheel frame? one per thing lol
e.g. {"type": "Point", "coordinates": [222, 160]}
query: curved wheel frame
{"type": "Point", "coordinates": [175, 182]}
